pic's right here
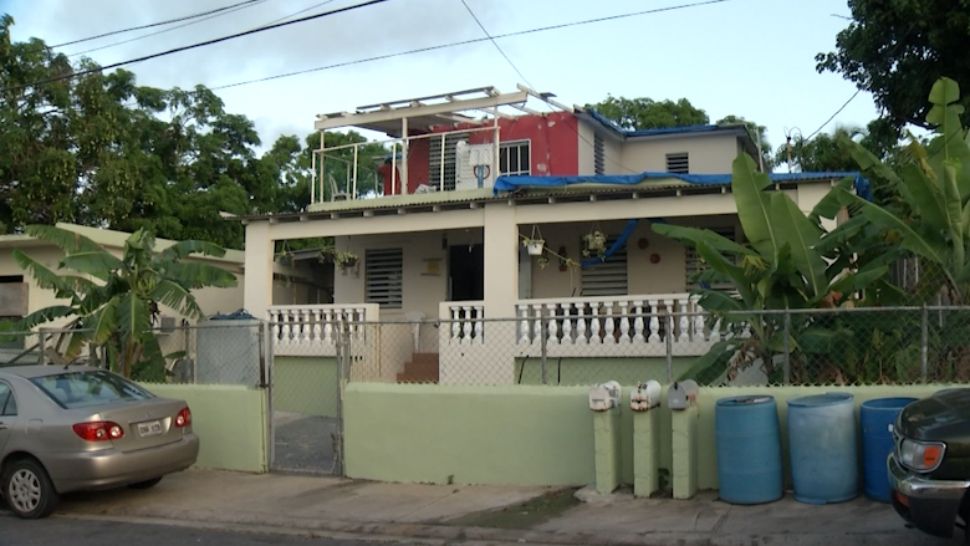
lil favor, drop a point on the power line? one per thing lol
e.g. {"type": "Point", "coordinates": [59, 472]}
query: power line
{"type": "Point", "coordinates": [495, 43]}
{"type": "Point", "coordinates": [464, 42]}
{"type": "Point", "coordinates": [152, 25]}
{"type": "Point", "coordinates": [170, 29]}
{"type": "Point", "coordinates": [837, 112]}
{"type": "Point", "coordinates": [304, 10]}
{"type": "Point", "coordinates": [202, 44]}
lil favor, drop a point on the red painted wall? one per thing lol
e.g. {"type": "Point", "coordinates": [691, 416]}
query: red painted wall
{"type": "Point", "coordinates": [554, 148]}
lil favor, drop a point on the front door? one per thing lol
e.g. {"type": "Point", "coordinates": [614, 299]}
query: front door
{"type": "Point", "coordinates": [466, 272]}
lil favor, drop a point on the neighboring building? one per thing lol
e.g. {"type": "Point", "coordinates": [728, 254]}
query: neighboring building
{"type": "Point", "coordinates": [20, 295]}
{"type": "Point", "coordinates": [444, 241]}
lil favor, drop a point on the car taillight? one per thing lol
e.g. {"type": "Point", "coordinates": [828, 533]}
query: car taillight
{"type": "Point", "coordinates": [183, 418]}
{"type": "Point", "coordinates": [921, 456]}
{"type": "Point", "coordinates": [99, 431]}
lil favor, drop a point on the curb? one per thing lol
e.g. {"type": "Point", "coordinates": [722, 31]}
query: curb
{"type": "Point", "coordinates": [423, 533]}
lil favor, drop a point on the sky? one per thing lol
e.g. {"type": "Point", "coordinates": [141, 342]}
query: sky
{"type": "Point", "coordinates": [751, 58]}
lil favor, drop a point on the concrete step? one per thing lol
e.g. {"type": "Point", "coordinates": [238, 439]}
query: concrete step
{"type": "Point", "coordinates": [407, 377]}
{"type": "Point", "coordinates": [425, 358]}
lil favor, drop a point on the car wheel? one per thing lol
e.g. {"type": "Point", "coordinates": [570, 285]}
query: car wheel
{"type": "Point", "coordinates": [28, 489]}
{"type": "Point", "coordinates": [147, 484]}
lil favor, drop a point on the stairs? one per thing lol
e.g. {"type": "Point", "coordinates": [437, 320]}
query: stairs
{"type": "Point", "coordinates": [422, 368]}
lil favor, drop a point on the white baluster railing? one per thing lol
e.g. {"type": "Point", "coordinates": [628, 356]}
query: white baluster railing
{"type": "Point", "coordinates": [314, 329]}
{"type": "Point", "coordinates": [466, 323]}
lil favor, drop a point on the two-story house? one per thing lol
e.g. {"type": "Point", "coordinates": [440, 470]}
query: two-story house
{"type": "Point", "coordinates": [467, 179]}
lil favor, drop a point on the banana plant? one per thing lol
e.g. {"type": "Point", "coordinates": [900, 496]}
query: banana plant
{"type": "Point", "coordinates": [785, 263]}
{"type": "Point", "coordinates": [114, 298]}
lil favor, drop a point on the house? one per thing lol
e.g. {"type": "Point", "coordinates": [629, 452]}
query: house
{"type": "Point", "coordinates": [469, 176]}
{"type": "Point", "coordinates": [20, 294]}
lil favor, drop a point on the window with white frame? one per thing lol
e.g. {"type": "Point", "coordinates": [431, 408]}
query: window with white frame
{"type": "Point", "coordinates": [694, 264]}
{"type": "Point", "coordinates": [384, 277]}
{"type": "Point", "coordinates": [678, 163]}
{"type": "Point", "coordinates": [514, 158]}
{"type": "Point", "coordinates": [608, 278]}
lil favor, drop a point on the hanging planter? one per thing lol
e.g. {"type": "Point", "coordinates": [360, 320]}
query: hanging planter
{"type": "Point", "coordinates": [594, 243]}
{"type": "Point", "coordinates": [535, 243]}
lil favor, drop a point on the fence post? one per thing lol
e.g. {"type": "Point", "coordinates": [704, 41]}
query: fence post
{"type": "Point", "coordinates": [267, 379]}
{"type": "Point", "coordinates": [343, 363]}
{"type": "Point", "coordinates": [543, 346]}
{"type": "Point", "coordinates": [669, 342]}
{"type": "Point", "coordinates": [924, 342]}
{"type": "Point", "coordinates": [786, 369]}
{"type": "Point", "coordinates": [42, 344]}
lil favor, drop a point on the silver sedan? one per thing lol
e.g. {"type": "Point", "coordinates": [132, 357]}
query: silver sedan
{"type": "Point", "coordinates": [78, 428]}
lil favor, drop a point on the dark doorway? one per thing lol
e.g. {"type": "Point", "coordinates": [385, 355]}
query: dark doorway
{"type": "Point", "coordinates": [466, 272]}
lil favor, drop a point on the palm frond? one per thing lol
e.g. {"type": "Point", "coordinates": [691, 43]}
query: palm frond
{"type": "Point", "coordinates": [184, 248]}
{"type": "Point", "coordinates": [133, 316]}
{"type": "Point", "coordinates": [44, 315]}
{"type": "Point", "coordinates": [67, 240]}
{"type": "Point", "coordinates": [97, 263]}
{"type": "Point", "coordinates": [64, 286]}
{"type": "Point", "coordinates": [199, 275]}
{"type": "Point", "coordinates": [177, 297]}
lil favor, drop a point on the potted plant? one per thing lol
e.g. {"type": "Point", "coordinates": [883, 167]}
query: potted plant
{"type": "Point", "coordinates": [534, 243]}
{"type": "Point", "coordinates": [594, 243]}
{"type": "Point", "coordinates": [344, 259]}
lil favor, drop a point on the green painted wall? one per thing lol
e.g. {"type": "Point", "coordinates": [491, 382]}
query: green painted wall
{"type": "Point", "coordinates": [521, 434]}
{"type": "Point", "coordinates": [587, 371]}
{"type": "Point", "coordinates": [487, 435]}
{"type": "Point", "coordinates": [306, 385]}
{"type": "Point", "coordinates": [230, 421]}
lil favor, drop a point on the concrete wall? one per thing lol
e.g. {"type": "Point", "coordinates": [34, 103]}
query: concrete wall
{"type": "Point", "coordinates": [307, 385]}
{"type": "Point", "coordinates": [230, 421]}
{"type": "Point", "coordinates": [706, 153]}
{"type": "Point", "coordinates": [520, 434]}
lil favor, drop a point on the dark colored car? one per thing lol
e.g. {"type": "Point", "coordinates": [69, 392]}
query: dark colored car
{"type": "Point", "coordinates": [929, 469]}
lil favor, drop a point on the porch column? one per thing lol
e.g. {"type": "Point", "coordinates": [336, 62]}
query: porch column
{"type": "Point", "coordinates": [501, 257]}
{"type": "Point", "coordinates": [258, 287]}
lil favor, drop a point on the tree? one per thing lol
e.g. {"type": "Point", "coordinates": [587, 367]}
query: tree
{"type": "Point", "coordinates": [896, 50]}
{"type": "Point", "coordinates": [114, 299]}
{"type": "Point", "coordinates": [646, 113]}
{"type": "Point", "coordinates": [758, 133]}
{"type": "Point", "coordinates": [822, 153]}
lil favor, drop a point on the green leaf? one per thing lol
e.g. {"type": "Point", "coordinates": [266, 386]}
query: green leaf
{"type": "Point", "coordinates": [801, 236]}
{"type": "Point", "coordinates": [830, 205]}
{"type": "Point", "coordinates": [41, 316]}
{"type": "Point", "coordinates": [133, 316]}
{"type": "Point", "coordinates": [64, 286]}
{"type": "Point", "coordinates": [911, 240]}
{"type": "Point", "coordinates": [752, 203]}
{"type": "Point", "coordinates": [177, 297]}
{"type": "Point", "coordinates": [695, 236]}
{"type": "Point", "coordinates": [198, 275]}
{"type": "Point", "coordinates": [185, 248]}
{"type": "Point", "coordinates": [710, 368]}
{"type": "Point", "coordinates": [97, 263]}
{"type": "Point", "coordinates": [104, 322]}
{"type": "Point", "coordinates": [66, 240]}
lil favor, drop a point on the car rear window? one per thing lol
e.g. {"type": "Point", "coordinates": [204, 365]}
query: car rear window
{"type": "Point", "coordinates": [83, 389]}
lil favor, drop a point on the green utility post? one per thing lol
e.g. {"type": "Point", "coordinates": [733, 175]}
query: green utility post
{"type": "Point", "coordinates": [682, 401]}
{"type": "Point", "coordinates": [645, 404]}
{"type": "Point", "coordinates": [604, 400]}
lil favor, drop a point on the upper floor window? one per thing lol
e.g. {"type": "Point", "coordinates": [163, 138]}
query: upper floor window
{"type": "Point", "coordinates": [678, 163]}
{"type": "Point", "coordinates": [384, 277]}
{"type": "Point", "coordinates": [514, 158]}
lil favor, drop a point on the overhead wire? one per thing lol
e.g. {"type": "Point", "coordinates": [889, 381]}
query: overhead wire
{"type": "Point", "coordinates": [459, 43]}
{"type": "Point", "coordinates": [524, 78]}
{"type": "Point", "coordinates": [155, 24]}
{"type": "Point", "coordinates": [837, 112]}
{"type": "Point", "coordinates": [202, 44]}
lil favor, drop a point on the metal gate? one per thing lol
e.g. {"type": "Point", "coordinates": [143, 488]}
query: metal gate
{"type": "Point", "coordinates": [305, 406]}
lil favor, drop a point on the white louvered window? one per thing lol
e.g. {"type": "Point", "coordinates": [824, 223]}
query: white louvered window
{"type": "Point", "coordinates": [384, 277]}
{"type": "Point", "coordinates": [678, 163]}
{"type": "Point", "coordinates": [608, 278]}
{"type": "Point", "coordinates": [514, 158]}
{"type": "Point", "coordinates": [434, 160]}
{"type": "Point", "coordinates": [693, 264]}
{"type": "Point", "coordinates": [599, 154]}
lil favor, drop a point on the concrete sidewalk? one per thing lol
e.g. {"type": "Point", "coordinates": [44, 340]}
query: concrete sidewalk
{"type": "Point", "coordinates": [428, 514]}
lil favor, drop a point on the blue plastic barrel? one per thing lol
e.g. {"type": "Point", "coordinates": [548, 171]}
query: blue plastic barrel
{"type": "Point", "coordinates": [748, 449]}
{"type": "Point", "coordinates": [877, 418]}
{"type": "Point", "coordinates": [824, 456]}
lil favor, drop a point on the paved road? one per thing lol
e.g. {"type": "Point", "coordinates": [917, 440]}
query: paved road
{"type": "Point", "coordinates": [73, 532]}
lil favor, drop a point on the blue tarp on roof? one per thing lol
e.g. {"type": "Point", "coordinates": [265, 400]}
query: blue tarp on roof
{"type": "Point", "coordinates": [510, 183]}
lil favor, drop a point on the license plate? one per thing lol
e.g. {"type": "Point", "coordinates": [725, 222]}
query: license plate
{"type": "Point", "coordinates": [150, 428]}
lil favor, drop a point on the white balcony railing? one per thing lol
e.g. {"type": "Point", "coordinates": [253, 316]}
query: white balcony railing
{"type": "Point", "coordinates": [463, 324]}
{"type": "Point", "coordinates": [313, 330]}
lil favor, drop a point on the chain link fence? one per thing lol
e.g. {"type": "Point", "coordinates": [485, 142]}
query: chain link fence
{"type": "Point", "coordinates": [900, 345]}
